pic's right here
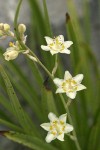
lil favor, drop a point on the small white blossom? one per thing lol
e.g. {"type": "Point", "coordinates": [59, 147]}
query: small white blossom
{"type": "Point", "coordinates": [57, 45]}
{"type": "Point", "coordinates": [69, 85]}
{"type": "Point", "coordinates": [57, 127]}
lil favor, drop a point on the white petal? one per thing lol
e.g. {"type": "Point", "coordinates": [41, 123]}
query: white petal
{"type": "Point", "coordinates": [68, 44]}
{"type": "Point", "coordinates": [60, 90]}
{"type": "Point", "coordinates": [48, 40]}
{"type": "Point", "coordinates": [67, 75]}
{"type": "Point", "coordinates": [53, 52]}
{"type": "Point", "coordinates": [58, 81]}
{"type": "Point", "coordinates": [80, 87]}
{"type": "Point", "coordinates": [68, 128]}
{"type": "Point", "coordinates": [61, 137]}
{"type": "Point", "coordinates": [72, 95]}
{"type": "Point", "coordinates": [63, 117]}
{"type": "Point", "coordinates": [45, 126]}
{"type": "Point", "coordinates": [78, 78]}
{"type": "Point", "coordinates": [45, 48]}
{"type": "Point", "coordinates": [52, 116]}
{"type": "Point", "coordinates": [66, 51]}
{"type": "Point", "coordinates": [50, 137]}
{"type": "Point", "coordinates": [60, 38]}
{"type": "Point", "coordinates": [10, 49]}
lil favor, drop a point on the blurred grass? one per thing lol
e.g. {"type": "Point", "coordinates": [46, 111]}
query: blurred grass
{"type": "Point", "coordinates": [40, 100]}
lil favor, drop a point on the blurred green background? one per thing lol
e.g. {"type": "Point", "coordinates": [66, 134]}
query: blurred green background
{"type": "Point", "coordinates": [78, 21]}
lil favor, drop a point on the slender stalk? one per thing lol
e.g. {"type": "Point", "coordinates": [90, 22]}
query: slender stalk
{"type": "Point", "coordinates": [47, 71]}
{"type": "Point", "coordinates": [70, 120]}
{"type": "Point", "coordinates": [55, 65]}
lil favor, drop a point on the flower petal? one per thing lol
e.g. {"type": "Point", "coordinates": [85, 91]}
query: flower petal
{"type": "Point", "coordinates": [50, 137]}
{"type": "Point", "coordinates": [45, 48]}
{"type": "Point", "coordinates": [63, 117]}
{"type": "Point", "coordinates": [60, 38]}
{"type": "Point", "coordinates": [60, 90]}
{"type": "Point", "coordinates": [58, 81]}
{"type": "Point", "coordinates": [53, 52]}
{"type": "Point", "coordinates": [72, 95]}
{"type": "Point", "coordinates": [80, 87]}
{"type": "Point", "coordinates": [61, 137]}
{"type": "Point", "coordinates": [52, 116]}
{"type": "Point", "coordinates": [68, 44]}
{"type": "Point", "coordinates": [78, 78]}
{"type": "Point", "coordinates": [66, 51]}
{"type": "Point", "coordinates": [45, 126]}
{"type": "Point", "coordinates": [67, 75]}
{"type": "Point", "coordinates": [68, 128]}
{"type": "Point", "coordinates": [48, 40]}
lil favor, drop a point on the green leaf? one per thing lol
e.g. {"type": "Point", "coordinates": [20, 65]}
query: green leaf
{"type": "Point", "coordinates": [29, 141]}
{"type": "Point", "coordinates": [93, 142]}
{"type": "Point", "coordinates": [47, 22]}
{"type": "Point", "coordinates": [47, 102]}
{"type": "Point", "coordinates": [10, 125]}
{"type": "Point", "coordinates": [18, 111]}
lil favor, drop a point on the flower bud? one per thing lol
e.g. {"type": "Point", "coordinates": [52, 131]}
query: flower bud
{"type": "Point", "coordinates": [21, 28]}
{"type": "Point", "coordinates": [10, 54]}
{"type": "Point", "coordinates": [6, 27]}
{"type": "Point", "coordinates": [1, 26]}
{"type": "Point", "coordinates": [1, 33]}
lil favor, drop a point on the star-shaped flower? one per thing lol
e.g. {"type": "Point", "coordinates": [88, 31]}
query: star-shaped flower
{"type": "Point", "coordinates": [69, 85]}
{"type": "Point", "coordinates": [57, 127]}
{"type": "Point", "coordinates": [57, 45]}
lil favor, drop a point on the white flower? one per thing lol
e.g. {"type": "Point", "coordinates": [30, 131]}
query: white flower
{"type": "Point", "coordinates": [57, 45]}
{"type": "Point", "coordinates": [11, 53]}
{"type": "Point", "coordinates": [57, 127]}
{"type": "Point", "coordinates": [69, 85]}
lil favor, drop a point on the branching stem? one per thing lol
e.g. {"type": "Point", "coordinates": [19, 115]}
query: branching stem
{"type": "Point", "coordinates": [46, 70]}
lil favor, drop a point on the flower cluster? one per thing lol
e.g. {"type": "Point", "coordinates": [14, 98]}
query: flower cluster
{"type": "Point", "coordinates": [5, 30]}
{"type": "Point", "coordinates": [14, 49]}
{"type": "Point", "coordinates": [57, 127]}
{"type": "Point", "coordinates": [69, 85]}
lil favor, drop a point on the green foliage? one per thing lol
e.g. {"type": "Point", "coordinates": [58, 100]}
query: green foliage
{"type": "Point", "coordinates": [28, 140]}
{"type": "Point", "coordinates": [27, 91]}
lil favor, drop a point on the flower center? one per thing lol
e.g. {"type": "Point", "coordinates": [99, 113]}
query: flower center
{"type": "Point", "coordinates": [57, 127]}
{"type": "Point", "coordinates": [57, 45]}
{"type": "Point", "coordinates": [11, 44]}
{"type": "Point", "coordinates": [69, 85]}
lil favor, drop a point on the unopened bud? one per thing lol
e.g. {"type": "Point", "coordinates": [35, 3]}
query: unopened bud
{"type": "Point", "coordinates": [21, 28]}
{"type": "Point", "coordinates": [6, 27]}
{"type": "Point", "coordinates": [1, 26]}
{"type": "Point", "coordinates": [1, 33]}
{"type": "Point", "coordinates": [10, 54]}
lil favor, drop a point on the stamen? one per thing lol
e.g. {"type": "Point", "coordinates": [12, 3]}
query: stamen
{"type": "Point", "coordinates": [54, 133]}
{"type": "Point", "coordinates": [11, 44]}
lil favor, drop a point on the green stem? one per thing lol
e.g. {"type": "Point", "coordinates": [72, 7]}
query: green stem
{"type": "Point", "coordinates": [47, 71]}
{"type": "Point", "coordinates": [70, 120]}
{"type": "Point", "coordinates": [55, 65]}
